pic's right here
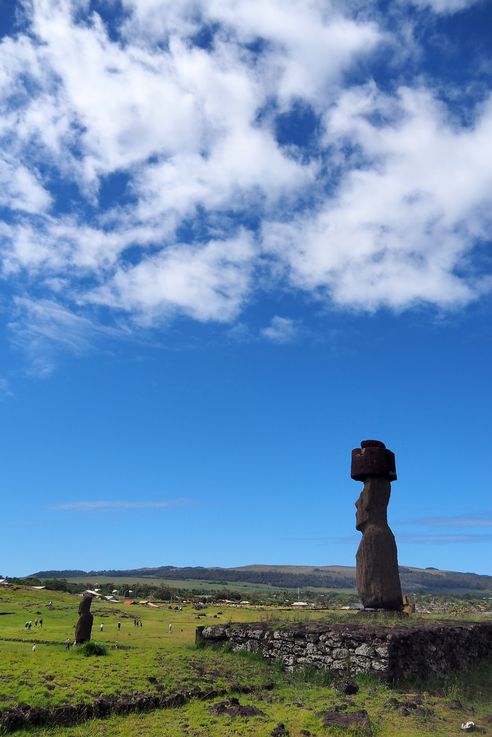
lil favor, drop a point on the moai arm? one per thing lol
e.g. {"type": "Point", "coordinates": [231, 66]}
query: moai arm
{"type": "Point", "coordinates": [377, 577]}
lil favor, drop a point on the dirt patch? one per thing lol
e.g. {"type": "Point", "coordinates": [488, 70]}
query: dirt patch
{"type": "Point", "coordinates": [346, 720]}
{"type": "Point", "coordinates": [345, 685]}
{"type": "Point", "coordinates": [31, 640]}
{"type": "Point", "coordinates": [280, 730]}
{"type": "Point", "coordinates": [232, 708]}
{"type": "Point", "coordinates": [24, 716]}
{"type": "Point", "coordinates": [409, 706]}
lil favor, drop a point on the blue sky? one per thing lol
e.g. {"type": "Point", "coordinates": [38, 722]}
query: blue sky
{"type": "Point", "coordinates": [235, 240]}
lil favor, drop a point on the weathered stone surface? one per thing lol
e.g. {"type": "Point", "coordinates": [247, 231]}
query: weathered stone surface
{"type": "Point", "coordinates": [422, 649]}
{"type": "Point", "coordinates": [377, 577]}
{"type": "Point", "coordinates": [83, 629]}
{"type": "Point", "coordinates": [373, 460]}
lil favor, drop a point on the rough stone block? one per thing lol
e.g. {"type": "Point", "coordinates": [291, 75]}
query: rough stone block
{"type": "Point", "coordinates": [421, 649]}
{"type": "Point", "coordinates": [370, 461]}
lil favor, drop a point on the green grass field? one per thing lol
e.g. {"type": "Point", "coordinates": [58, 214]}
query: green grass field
{"type": "Point", "coordinates": [196, 584]}
{"type": "Point", "coordinates": [150, 659]}
{"type": "Point", "coordinates": [187, 584]}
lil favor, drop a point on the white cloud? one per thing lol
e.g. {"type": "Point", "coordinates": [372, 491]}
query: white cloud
{"type": "Point", "coordinates": [20, 189]}
{"type": "Point", "coordinates": [445, 6]}
{"type": "Point", "coordinates": [101, 506]}
{"type": "Point", "coordinates": [207, 282]}
{"type": "Point", "coordinates": [394, 194]}
{"type": "Point", "coordinates": [280, 330]}
{"type": "Point", "coordinates": [308, 43]}
{"type": "Point", "coordinates": [411, 201]}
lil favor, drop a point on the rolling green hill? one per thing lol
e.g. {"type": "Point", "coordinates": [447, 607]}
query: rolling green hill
{"type": "Point", "coordinates": [428, 580]}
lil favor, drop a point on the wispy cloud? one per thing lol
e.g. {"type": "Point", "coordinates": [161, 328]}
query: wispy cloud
{"type": "Point", "coordinates": [5, 390]}
{"type": "Point", "coordinates": [478, 520]}
{"type": "Point", "coordinates": [280, 330]}
{"type": "Point", "coordinates": [445, 7]}
{"type": "Point", "coordinates": [42, 328]}
{"type": "Point", "coordinates": [421, 538]}
{"type": "Point", "coordinates": [445, 538]}
{"type": "Point", "coordinates": [104, 506]}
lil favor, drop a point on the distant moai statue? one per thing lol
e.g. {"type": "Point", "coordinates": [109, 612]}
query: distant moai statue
{"type": "Point", "coordinates": [84, 625]}
{"type": "Point", "coordinates": [377, 577]}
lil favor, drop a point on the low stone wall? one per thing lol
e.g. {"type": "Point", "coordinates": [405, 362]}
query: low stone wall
{"type": "Point", "coordinates": [422, 649]}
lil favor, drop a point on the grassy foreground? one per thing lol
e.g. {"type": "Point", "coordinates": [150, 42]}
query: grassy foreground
{"type": "Point", "coordinates": [152, 659]}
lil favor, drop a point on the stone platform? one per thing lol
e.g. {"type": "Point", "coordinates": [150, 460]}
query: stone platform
{"type": "Point", "coordinates": [420, 649]}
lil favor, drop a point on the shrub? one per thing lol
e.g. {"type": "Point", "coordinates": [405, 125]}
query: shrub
{"type": "Point", "coordinates": [91, 648]}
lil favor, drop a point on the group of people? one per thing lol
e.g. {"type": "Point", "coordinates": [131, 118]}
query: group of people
{"type": "Point", "coordinates": [68, 643]}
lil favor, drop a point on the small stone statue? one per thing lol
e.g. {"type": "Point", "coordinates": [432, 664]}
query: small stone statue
{"type": "Point", "coordinates": [377, 577]}
{"type": "Point", "coordinates": [84, 625]}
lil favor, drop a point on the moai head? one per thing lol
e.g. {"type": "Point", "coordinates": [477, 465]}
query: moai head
{"type": "Point", "coordinates": [85, 605]}
{"type": "Point", "coordinates": [373, 460]}
{"type": "Point", "coordinates": [373, 464]}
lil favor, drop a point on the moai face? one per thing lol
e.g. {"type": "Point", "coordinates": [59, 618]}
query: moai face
{"type": "Point", "coordinates": [362, 513]}
{"type": "Point", "coordinates": [85, 605]}
{"type": "Point", "coordinates": [372, 503]}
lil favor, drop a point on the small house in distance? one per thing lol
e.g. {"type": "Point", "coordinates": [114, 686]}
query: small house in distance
{"type": "Point", "coordinates": [91, 592]}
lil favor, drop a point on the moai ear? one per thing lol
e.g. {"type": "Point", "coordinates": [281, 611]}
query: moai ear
{"type": "Point", "coordinates": [377, 491]}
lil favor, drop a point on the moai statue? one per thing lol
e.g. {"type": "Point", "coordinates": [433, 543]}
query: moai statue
{"type": "Point", "coordinates": [377, 577]}
{"type": "Point", "coordinates": [84, 625]}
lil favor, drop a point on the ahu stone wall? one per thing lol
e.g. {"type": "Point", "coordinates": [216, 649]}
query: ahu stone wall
{"type": "Point", "coordinates": [421, 649]}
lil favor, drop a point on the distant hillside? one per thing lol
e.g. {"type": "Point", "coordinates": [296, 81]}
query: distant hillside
{"type": "Point", "coordinates": [428, 580]}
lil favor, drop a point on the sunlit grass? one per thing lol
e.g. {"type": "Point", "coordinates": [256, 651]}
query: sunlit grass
{"type": "Point", "coordinates": [151, 659]}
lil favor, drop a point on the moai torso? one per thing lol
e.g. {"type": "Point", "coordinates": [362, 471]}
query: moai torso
{"type": "Point", "coordinates": [377, 577]}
